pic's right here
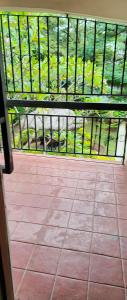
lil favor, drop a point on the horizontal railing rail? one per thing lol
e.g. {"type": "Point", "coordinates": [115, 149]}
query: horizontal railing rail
{"type": "Point", "coordinates": [65, 134]}
{"type": "Point", "coordinates": [63, 56]}
{"type": "Point", "coordinates": [68, 105]}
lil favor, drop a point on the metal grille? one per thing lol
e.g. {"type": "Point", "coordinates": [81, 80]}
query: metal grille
{"type": "Point", "coordinates": [90, 136]}
{"type": "Point", "coordinates": [63, 57]}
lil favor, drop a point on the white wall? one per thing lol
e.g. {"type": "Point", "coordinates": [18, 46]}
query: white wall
{"type": "Point", "coordinates": [107, 9]}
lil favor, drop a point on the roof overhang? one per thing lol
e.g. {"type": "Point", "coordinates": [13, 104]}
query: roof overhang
{"type": "Point", "coordinates": [115, 10]}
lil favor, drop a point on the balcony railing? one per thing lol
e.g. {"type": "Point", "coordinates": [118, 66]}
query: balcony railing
{"type": "Point", "coordinates": [89, 136]}
{"type": "Point", "coordinates": [65, 56]}
{"type": "Point", "coordinates": [67, 63]}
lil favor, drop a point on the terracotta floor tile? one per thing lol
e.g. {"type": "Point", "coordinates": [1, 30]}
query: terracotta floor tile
{"type": "Point", "coordinates": [44, 259]}
{"type": "Point", "coordinates": [120, 179]}
{"type": "Point", "coordinates": [20, 254]}
{"type": "Point", "coordinates": [12, 227]}
{"type": "Point", "coordinates": [105, 244]}
{"type": "Point", "coordinates": [77, 240]}
{"type": "Point", "coordinates": [42, 179]}
{"type": "Point", "coordinates": [22, 187]}
{"type": "Point", "coordinates": [105, 197]}
{"type": "Point", "coordinates": [36, 286]}
{"type": "Point", "coordinates": [87, 176]}
{"type": "Point", "coordinates": [26, 232]}
{"type": "Point", "coordinates": [43, 190]}
{"type": "Point", "coordinates": [28, 199]}
{"type": "Point", "coordinates": [58, 172]}
{"type": "Point", "coordinates": [62, 192]}
{"type": "Point", "coordinates": [51, 236]}
{"type": "Point", "coordinates": [121, 199]}
{"type": "Point", "coordinates": [105, 186]}
{"type": "Point", "coordinates": [125, 271]}
{"type": "Point", "coordinates": [122, 211]}
{"type": "Point", "coordinates": [104, 292]}
{"type": "Point", "coordinates": [57, 218]}
{"type": "Point", "coordinates": [104, 168]}
{"type": "Point", "coordinates": [69, 289]}
{"type": "Point", "coordinates": [104, 177]}
{"type": "Point", "coordinates": [23, 168]}
{"type": "Point", "coordinates": [86, 184]}
{"type": "Point", "coordinates": [123, 245]}
{"type": "Point", "coordinates": [63, 181]}
{"type": "Point", "coordinates": [38, 189]}
{"type": "Point", "coordinates": [121, 188]}
{"type": "Point", "coordinates": [105, 225]}
{"type": "Point", "coordinates": [80, 221]}
{"type": "Point", "coordinates": [61, 204]}
{"type": "Point", "coordinates": [15, 212]}
{"type": "Point", "coordinates": [74, 264]}
{"type": "Point", "coordinates": [105, 209]}
{"type": "Point", "coordinates": [120, 170]}
{"type": "Point", "coordinates": [122, 227]}
{"type": "Point", "coordinates": [85, 207]}
{"type": "Point", "coordinates": [82, 194]}
{"type": "Point", "coordinates": [34, 215]}
{"type": "Point", "coordinates": [17, 275]}
{"type": "Point", "coordinates": [104, 269]}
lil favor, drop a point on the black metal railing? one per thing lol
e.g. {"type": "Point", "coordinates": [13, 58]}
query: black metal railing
{"type": "Point", "coordinates": [67, 56]}
{"type": "Point", "coordinates": [88, 136]}
{"type": "Point", "coordinates": [64, 62]}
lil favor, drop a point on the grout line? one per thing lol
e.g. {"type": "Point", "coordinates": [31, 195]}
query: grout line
{"type": "Point", "coordinates": [120, 243]}
{"type": "Point", "coordinates": [50, 208]}
{"type": "Point", "coordinates": [73, 278]}
{"type": "Point", "coordinates": [90, 251]}
{"type": "Point", "coordinates": [63, 244]}
{"type": "Point", "coordinates": [82, 230]}
{"type": "Point", "coordinates": [25, 270]}
{"type": "Point", "coordinates": [58, 247]}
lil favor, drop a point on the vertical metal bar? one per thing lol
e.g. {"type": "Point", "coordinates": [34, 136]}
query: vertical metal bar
{"type": "Point", "coordinates": [124, 64]}
{"type": "Point", "coordinates": [76, 52]}
{"type": "Point", "coordinates": [114, 59]}
{"type": "Point", "coordinates": [51, 130]}
{"type": "Point", "coordinates": [84, 57]}
{"type": "Point", "coordinates": [20, 52]}
{"type": "Point", "coordinates": [66, 134]}
{"type": "Point", "coordinates": [91, 135]}
{"type": "Point", "coordinates": [118, 125]}
{"type": "Point", "coordinates": [99, 144]}
{"type": "Point", "coordinates": [58, 133]}
{"type": "Point", "coordinates": [125, 143]}
{"type": "Point", "coordinates": [68, 28]}
{"type": "Point", "coordinates": [6, 142]}
{"type": "Point", "coordinates": [58, 60]}
{"type": "Point", "coordinates": [29, 53]}
{"type": "Point", "coordinates": [4, 53]}
{"type": "Point", "coordinates": [35, 131]}
{"type": "Point", "coordinates": [20, 130]}
{"type": "Point", "coordinates": [13, 133]}
{"type": "Point", "coordinates": [39, 52]}
{"type": "Point", "coordinates": [48, 41]}
{"type": "Point", "coordinates": [12, 63]}
{"type": "Point", "coordinates": [75, 135]}
{"type": "Point", "coordinates": [43, 130]}
{"type": "Point", "coordinates": [83, 135]}
{"type": "Point", "coordinates": [104, 57]}
{"type": "Point", "coordinates": [28, 136]}
{"type": "Point", "coordinates": [108, 138]}
{"type": "Point", "coordinates": [94, 54]}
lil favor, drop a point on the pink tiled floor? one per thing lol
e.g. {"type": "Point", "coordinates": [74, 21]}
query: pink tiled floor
{"type": "Point", "coordinates": [68, 228]}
